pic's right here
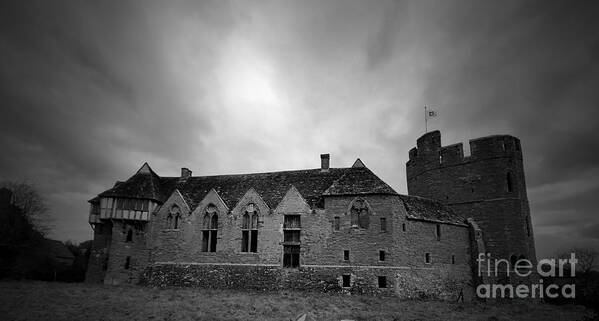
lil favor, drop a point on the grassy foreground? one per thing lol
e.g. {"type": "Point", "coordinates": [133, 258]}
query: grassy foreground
{"type": "Point", "coordinates": [31, 300]}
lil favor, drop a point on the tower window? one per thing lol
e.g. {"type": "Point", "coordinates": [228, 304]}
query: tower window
{"type": "Point", "coordinates": [336, 223]}
{"type": "Point", "coordinates": [127, 262]}
{"type": "Point", "coordinates": [382, 282]}
{"type": "Point", "coordinates": [381, 255]}
{"type": "Point", "coordinates": [129, 236]}
{"type": "Point", "coordinates": [403, 227]}
{"type": "Point", "coordinates": [427, 258]}
{"type": "Point", "coordinates": [346, 255]}
{"type": "Point", "coordinates": [346, 280]}
{"type": "Point", "coordinates": [438, 232]}
{"type": "Point", "coordinates": [509, 182]}
{"type": "Point", "coordinates": [453, 259]}
{"type": "Point", "coordinates": [383, 224]}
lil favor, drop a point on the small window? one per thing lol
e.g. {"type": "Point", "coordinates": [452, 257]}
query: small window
{"type": "Point", "coordinates": [438, 232]}
{"type": "Point", "coordinates": [383, 224]}
{"type": "Point", "coordinates": [440, 159]}
{"type": "Point", "coordinates": [336, 223]}
{"type": "Point", "coordinates": [382, 282]}
{"type": "Point", "coordinates": [403, 227]}
{"type": "Point", "coordinates": [381, 255]}
{"type": "Point", "coordinates": [127, 262]}
{"type": "Point", "coordinates": [346, 255]}
{"type": "Point", "coordinates": [346, 280]}
{"type": "Point", "coordinates": [453, 259]}
{"type": "Point", "coordinates": [129, 236]}
{"type": "Point", "coordinates": [292, 221]}
{"type": "Point", "coordinates": [509, 182]}
{"type": "Point", "coordinates": [427, 258]}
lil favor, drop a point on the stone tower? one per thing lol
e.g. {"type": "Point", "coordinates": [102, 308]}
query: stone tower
{"type": "Point", "coordinates": [488, 186]}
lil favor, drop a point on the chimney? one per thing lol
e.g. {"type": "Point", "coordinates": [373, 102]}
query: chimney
{"type": "Point", "coordinates": [185, 172]}
{"type": "Point", "coordinates": [324, 162]}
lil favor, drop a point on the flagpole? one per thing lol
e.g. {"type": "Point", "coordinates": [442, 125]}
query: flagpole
{"type": "Point", "coordinates": [425, 121]}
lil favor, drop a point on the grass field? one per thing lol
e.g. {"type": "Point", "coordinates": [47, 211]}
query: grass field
{"type": "Point", "coordinates": [63, 301]}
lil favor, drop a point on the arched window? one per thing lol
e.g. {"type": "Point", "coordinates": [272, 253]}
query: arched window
{"type": "Point", "coordinates": [129, 236]}
{"type": "Point", "coordinates": [210, 229]}
{"type": "Point", "coordinates": [509, 182]}
{"type": "Point", "coordinates": [249, 229]}
{"type": "Point", "coordinates": [359, 214]}
{"type": "Point", "coordinates": [173, 218]}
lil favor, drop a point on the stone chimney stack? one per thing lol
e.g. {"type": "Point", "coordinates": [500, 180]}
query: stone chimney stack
{"type": "Point", "coordinates": [185, 172]}
{"type": "Point", "coordinates": [324, 162]}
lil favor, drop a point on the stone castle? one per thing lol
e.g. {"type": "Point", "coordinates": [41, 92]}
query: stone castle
{"type": "Point", "coordinates": [324, 229]}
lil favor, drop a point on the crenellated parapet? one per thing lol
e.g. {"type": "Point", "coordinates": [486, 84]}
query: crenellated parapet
{"type": "Point", "coordinates": [429, 154]}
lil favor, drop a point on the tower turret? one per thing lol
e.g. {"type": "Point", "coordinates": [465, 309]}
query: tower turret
{"type": "Point", "coordinates": [488, 186]}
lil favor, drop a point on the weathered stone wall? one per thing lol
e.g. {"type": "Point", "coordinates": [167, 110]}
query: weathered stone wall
{"type": "Point", "coordinates": [98, 258]}
{"type": "Point", "coordinates": [120, 249]}
{"type": "Point", "coordinates": [402, 282]}
{"type": "Point", "coordinates": [476, 186]}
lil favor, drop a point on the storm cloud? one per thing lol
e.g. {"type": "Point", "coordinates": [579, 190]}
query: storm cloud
{"type": "Point", "coordinates": [92, 90]}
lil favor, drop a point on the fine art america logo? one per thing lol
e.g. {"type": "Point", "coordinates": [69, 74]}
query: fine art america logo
{"type": "Point", "coordinates": [496, 269]}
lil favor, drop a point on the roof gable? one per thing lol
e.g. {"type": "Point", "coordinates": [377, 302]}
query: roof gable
{"type": "Point", "coordinates": [293, 202]}
{"type": "Point", "coordinates": [144, 184]}
{"type": "Point", "coordinates": [358, 181]}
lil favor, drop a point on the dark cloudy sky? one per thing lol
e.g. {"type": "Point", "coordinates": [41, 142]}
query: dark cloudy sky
{"type": "Point", "coordinates": [89, 90]}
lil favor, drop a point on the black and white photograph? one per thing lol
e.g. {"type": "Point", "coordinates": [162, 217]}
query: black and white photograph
{"type": "Point", "coordinates": [299, 160]}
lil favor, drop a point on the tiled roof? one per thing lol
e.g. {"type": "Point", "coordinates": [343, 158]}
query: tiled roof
{"type": "Point", "coordinates": [359, 180]}
{"type": "Point", "coordinates": [272, 187]}
{"type": "Point", "coordinates": [144, 184]}
{"type": "Point", "coordinates": [419, 208]}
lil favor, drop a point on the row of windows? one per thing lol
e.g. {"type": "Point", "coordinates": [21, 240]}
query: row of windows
{"type": "Point", "coordinates": [383, 256]}
{"type": "Point", "coordinates": [381, 281]}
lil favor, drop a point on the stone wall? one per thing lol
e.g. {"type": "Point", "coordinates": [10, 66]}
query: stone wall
{"type": "Point", "coordinates": [477, 186]}
{"type": "Point", "coordinates": [127, 259]}
{"type": "Point", "coordinates": [402, 282]}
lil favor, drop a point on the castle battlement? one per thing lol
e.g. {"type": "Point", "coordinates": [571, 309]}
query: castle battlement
{"type": "Point", "coordinates": [430, 154]}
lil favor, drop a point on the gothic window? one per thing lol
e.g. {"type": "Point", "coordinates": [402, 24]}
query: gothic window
{"type": "Point", "coordinates": [173, 218]}
{"type": "Point", "coordinates": [359, 214]}
{"type": "Point", "coordinates": [249, 229]}
{"type": "Point", "coordinates": [210, 229]}
{"type": "Point", "coordinates": [129, 236]}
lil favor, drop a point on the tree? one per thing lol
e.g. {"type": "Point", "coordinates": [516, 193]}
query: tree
{"type": "Point", "coordinates": [33, 205]}
{"type": "Point", "coordinates": [587, 259]}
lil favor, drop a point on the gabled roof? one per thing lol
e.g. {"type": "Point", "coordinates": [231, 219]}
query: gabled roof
{"type": "Point", "coordinates": [312, 184]}
{"type": "Point", "coordinates": [144, 184]}
{"type": "Point", "coordinates": [359, 180]}
{"type": "Point", "coordinates": [424, 209]}
{"type": "Point", "coordinates": [272, 187]}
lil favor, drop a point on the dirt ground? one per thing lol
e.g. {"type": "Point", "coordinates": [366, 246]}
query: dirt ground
{"type": "Point", "coordinates": [30, 300]}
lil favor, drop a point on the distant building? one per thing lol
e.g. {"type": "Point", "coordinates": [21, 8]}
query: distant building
{"type": "Point", "coordinates": [325, 229]}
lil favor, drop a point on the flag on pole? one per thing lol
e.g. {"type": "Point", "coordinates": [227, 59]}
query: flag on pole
{"type": "Point", "coordinates": [431, 114]}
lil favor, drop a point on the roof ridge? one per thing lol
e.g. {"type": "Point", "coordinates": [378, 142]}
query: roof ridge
{"type": "Point", "coordinates": [260, 173]}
